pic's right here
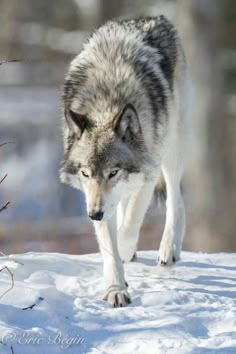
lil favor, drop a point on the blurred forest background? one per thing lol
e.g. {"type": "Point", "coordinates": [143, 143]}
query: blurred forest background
{"type": "Point", "coordinates": [46, 35]}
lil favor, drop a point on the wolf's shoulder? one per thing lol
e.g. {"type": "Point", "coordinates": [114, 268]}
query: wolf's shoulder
{"type": "Point", "coordinates": [158, 24]}
{"type": "Point", "coordinates": [156, 32]}
{"type": "Point", "coordinates": [161, 35]}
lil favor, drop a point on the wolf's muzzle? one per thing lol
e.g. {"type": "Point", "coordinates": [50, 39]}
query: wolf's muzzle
{"type": "Point", "coordinates": [96, 215]}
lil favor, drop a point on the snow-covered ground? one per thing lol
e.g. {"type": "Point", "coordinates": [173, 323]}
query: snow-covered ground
{"type": "Point", "coordinates": [189, 308]}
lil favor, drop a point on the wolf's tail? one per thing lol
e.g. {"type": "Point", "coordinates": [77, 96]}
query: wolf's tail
{"type": "Point", "coordinates": [160, 189]}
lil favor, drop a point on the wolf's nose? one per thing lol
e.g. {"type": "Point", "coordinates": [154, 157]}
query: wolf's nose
{"type": "Point", "coordinates": [96, 215]}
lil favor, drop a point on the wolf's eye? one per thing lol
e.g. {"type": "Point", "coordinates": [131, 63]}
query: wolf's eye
{"type": "Point", "coordinates": [85, 174]}
{"type": "Point", "coordinates": [113, 173]}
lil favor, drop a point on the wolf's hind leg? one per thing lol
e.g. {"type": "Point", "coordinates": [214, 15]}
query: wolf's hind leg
{"type": "Point", "coordinates": [132, 212]}
{"type": "Point", "coordinates": [171, 243]}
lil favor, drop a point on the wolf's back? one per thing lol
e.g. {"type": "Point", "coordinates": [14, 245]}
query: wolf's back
{"type": "Point", "coordinates": [130, 61]}
{"type": "Point", "coordinates": [145, 48]}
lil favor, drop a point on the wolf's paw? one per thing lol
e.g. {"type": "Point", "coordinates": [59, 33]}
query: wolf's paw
{"type": "Point", "coordinates": [117, 297]}
{"type": "Point", "coordinates": [167, 255]}
{"type": "Point", "coordinates": [127, 255]}
{"type": "Point", "coordinates": [127, 251]}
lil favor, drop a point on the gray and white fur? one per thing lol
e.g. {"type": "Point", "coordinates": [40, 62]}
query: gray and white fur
{"type": "Point", "coordinates": [125, 118]}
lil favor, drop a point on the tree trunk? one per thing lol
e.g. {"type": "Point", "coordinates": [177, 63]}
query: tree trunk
{"type": "Point", "coordinates": [202, 28]}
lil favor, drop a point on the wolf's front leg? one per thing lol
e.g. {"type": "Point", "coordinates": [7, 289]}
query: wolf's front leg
{"type": "Point", "coordinates": [116, 292]}
{"type": "Point", "coordinates": [131, 213]}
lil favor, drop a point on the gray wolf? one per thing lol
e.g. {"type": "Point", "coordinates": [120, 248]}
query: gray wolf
{"type": "Point", "coordinates": [124, 122]}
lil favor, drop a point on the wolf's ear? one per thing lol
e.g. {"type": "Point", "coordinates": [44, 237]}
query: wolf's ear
{"type": "Point", "coordinates": [127, 121]}
{"type": "Point", "coordinates": [76, 122]}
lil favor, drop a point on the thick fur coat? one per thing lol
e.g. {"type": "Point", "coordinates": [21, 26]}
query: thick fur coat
{"type": "Point", "coordinates": [124, 121]}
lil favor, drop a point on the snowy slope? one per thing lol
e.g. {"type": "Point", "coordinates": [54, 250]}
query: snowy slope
{"type": "Point", "coordinates": [189, 308]}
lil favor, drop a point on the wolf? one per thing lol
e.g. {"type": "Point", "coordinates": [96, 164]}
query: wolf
{"type": "Point", "coordinates": [124, 123]}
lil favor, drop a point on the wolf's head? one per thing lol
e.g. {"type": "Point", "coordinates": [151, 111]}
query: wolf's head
{"type": "Point", "coordinates": [103, 158]}
{"type": "Point", "coordinates": [108, 121]}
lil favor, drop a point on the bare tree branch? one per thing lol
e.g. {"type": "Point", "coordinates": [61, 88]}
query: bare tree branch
{"type": "Point", "coordinates": [5, 206]}
{"type": "Point", "coordinates": [12, 280]}
{"type": "Point", "coordinates": [11, 259]}
{"type": "Point", "coordinates": [3, 178]}
{"type": "Point", "coordinates": [8, 142]}
{"type": "Point", "coordinates": [10, 61]}
{"type": "Point", "coordinates": [32, 306]}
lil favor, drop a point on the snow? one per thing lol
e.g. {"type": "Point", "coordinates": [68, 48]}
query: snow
{"type": "Point", "coordinates": [188, 308]}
